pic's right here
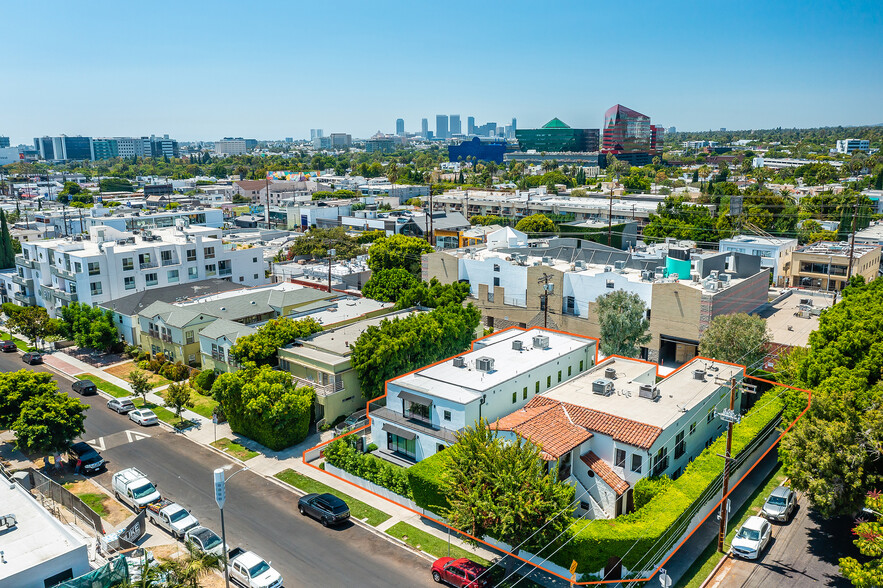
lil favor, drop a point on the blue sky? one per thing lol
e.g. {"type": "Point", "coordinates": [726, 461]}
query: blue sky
{"type": "Point", "coordinates": [271, 69]}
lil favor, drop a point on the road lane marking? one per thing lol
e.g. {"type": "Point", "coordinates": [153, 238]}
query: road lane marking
{"type": "Point", "coordinates": [136, 435]}
{"type": "Point", "coordinates": [97, 444]}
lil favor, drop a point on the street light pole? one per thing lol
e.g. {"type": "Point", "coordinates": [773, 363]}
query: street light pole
{"type": "Point", "coordinates": [220, 498]}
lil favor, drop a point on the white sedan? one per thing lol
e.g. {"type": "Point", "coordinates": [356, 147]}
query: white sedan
{"type": "Point", "coordinates": [144, 417]}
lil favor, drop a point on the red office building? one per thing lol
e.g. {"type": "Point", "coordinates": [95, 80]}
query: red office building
{"type": "Point", "coordinates": [629, 136]}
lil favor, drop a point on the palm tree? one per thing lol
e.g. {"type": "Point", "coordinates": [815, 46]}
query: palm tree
{"type": "Point", "coordinates": [196, 565]}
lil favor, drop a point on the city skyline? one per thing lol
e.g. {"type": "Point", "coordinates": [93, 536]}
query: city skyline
{"type": "Point", "coordinates": [785, 65]}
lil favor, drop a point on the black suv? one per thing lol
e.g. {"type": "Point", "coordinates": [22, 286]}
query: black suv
{"type": "Point", "coordinates": [85, 387]}
{"type": "Point", "coordinates": [32, 358]}
{"type": "Point", "coordinates": [327, 508]}
{"type": "Point", "coordinates": [90, 460]}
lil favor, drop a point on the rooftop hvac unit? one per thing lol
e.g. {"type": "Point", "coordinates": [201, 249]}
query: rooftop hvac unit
{"type": "Point", "coordinates": [484, 364]}
{"type": "Point", "coordinates": [602, 386]}
{"type": "Point", "coordinates": [646, 275]}
{"type": "Point", "coordinates": [516, 345]}
{"type": "Point", "coordinates": [541, 341]}
{"type": "Point", "coordinates": [699, 375]}
{"type": "Point", "coordinates": [695, 277]}
{"type": "Point", "coordinates": [659, 272]}
{"type": "Point", "coordinates": [711, 286]}
{"type": "Point", "coordinates": [725, 279]}
{"type": "Point", "coordinates": [619, 265]}
{"type": "Point", "coordinates": [610, 373]}
{"type": "Point", "coordinates": [608, 268]}
{"type": "Point", "coordinates": [648, 391]}
{"type": "Point", "coordinates": [806, 302]}
{"type": "Point", "coordinates": [674, 277]}
{"type": "Point", "coordinates": [580, 264]}
{"type": "Point", "coordinates": [713, 274]}
{"type": "Point", "coordinates": [547, 260]}
{"type": "Point", "coordinates": [459, 362]}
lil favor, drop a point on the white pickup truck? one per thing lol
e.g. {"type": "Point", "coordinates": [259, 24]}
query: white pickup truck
{"type": "Point", "coordinates": [172, 517]}
{"type": "Point", "coordinates": [133, 488]}
{"type": "Point", "coordinates": [249, 570]}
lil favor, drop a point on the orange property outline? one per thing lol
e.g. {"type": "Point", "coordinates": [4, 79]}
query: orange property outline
{"type": "Point", "coordinates": [597, 341]}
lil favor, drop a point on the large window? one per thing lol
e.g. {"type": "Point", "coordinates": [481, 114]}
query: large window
{"type": "Point", "coordinates": [680, 445]}
{"type": "Point", "coordinates": [128, 264]}
{"type": "Point", "coordinates": [129, 281]}
{"type": "Point", "coordinates": [619, 458]}
{"type": "Point", "coordinates": [209, 252]}
{"type": "Point", "coordinates": [191, 255]}
{"type": "Point", "coordinates": [166, 257]}
{"type": "Point", "coordinates": [192, 273]}
{"type": "Point", "coordinates": [406, 447]}
{"type": "Point", "coordinates": [660, 461]}
{"type": "Point", "coordinates": [173, 276]}
{"type": "Point", "coordinates": [637, 462]}
{"type": "Point", "coordinates": [94, 268]}
{"type": "Point", "coordinates": [150, 279]}
{"type": "Point", "coordinates": [417, 411]}
{"type": "Point", "coordinates": [95, 288]}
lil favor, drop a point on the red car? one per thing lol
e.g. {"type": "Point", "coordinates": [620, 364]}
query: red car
{"type": "Point", "coordinates": [460, 572]}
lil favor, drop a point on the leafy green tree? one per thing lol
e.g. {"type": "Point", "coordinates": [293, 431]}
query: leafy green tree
{"type": "Point", "coordinates": [261, 347]}
{"type": "Point", "coordinates": [623, 320]}
{"type": "Point", "coordinates": [677, 218]}
{"type": "Point", "coordinates": [535, 223]}
{"type": "Point", "coordinates": [7, 251]}
{"type": "Point", "coordinates": [89, 326]}
{"type": "Point", "coordinates": [32, 322]}
{"type": "Point", "coordinates": [317, 242]}
{"type": "Point", "coordinates": [264, 405]}
{"type": "Point", "coordinates": [502, 488]}
{"type": "Point", "coordinates": [191, 569]}
{"type": "Point", "coordinates": [387, 285]}
{"type": "Point", "coordinates": [49, 422]}
{"type": "Point", "coordinates": [18, 387]}
{"type": "Point", "coordinates": [178, 397]}
{"type": "Point", "coordinates": [869, 531]}
{"type": "Point", "coordinates": [433, 294]}
{"type": "Point", "coordinates": [139, 381]}
{"type": "Point", "coordinates": [738, 338]}
{"type": "Point", "coordinates": [397, 251]}
{"type": "Point", "coordinates": [400, 345]}
{"type": "Point", "coordinates": [486, 220]}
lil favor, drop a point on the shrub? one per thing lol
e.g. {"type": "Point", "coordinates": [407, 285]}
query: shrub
{"type": "Point", "coordinates": [144, 365]}
{"type": "Point", "coordinates": [203, 380]}
{"type": "Point", "coordinates": [424, 478]}
{"type": "Point", "coordinates": [175, 371]}
{"type": "Point", "coordinates": [154, 365]}
{"type": "Point", "coordinates": [647, 488]}
{"type": "Point", "coordinates": [341, 453]}
{"type": "Point", "coordinates": [132, 351]}
{"type": "Point", "coordinates": [371, 447]}
{"type": "Point", "coordinates": [160, 357]}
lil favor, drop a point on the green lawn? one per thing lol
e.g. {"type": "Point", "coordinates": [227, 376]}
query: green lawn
{"type": "Point", "coordinates": [18, 342]}
{"type": "Point", "coordinates": [234, 449]}
{"type": "Point", "coordinates": [95, 502]}
{"type": "Point", "coordinates": [104, 386]}
{"type": "Point", "coordinates": [435, 546]}
{"type": "Point", "coordinates": [358, 509]}
{"type": "Point", "coordinates": [202, 405]}
{"type": "Point", "coordinates": [705, 563]}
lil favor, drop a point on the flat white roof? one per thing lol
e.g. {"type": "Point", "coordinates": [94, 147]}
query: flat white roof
{"type": "Point", "coordinates": [774, 241]}
{"type": "Point", "coordinates": [465, 384]}
{"type": "Point", "coordinates": [678, 393]}
{"type": "Point", "coordinates": [37, 537]}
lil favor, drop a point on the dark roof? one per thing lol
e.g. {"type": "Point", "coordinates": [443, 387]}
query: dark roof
{"type": "Point", "coordinates": [132, 304]}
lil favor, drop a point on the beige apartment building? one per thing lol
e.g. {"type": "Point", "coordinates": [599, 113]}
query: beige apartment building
{"type": "Point", "coordinates": [825, 265]}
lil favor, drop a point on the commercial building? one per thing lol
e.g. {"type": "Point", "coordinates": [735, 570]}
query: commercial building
{"type": "Point", "coordinates": [502, 373]}
{"type": "Point", "coordinates": [341, 140]}
{"type": "Point", "coordinates": [617, 423]}
{"type": "Point", "coordinates": [4, 142]}
{"type": "Point", "coordinates": [783, 162]}
{"type": "Point", "coordinates": [104, 148]}
{"type": "Point", "coordinates": [558, 136]}
{"type": "Point", "coordinates": [478, 150]}
{"type": "Point", "coordinates": [230, 146]}
{"type": "Point", "coordinates": [64, 148]}
{"type": "Point", "coordinates": [629, 136]}
{"type": "Point", "coordinates": [849, 145]}
{"type": "Point", "coordinates": [455, 128]}
{"type": "Point", "coordinates": [400, 126]}
{"type": "Point", "coordinates": [441, 126]}
{"type": "Point", "coordinates": [110, 264]}
{"type": "Point", "coordinates": [774, 252]}
{"type": "Point", "coordinates": [37, 550]}
{"type": "Point", "coordinates": [682, 291]}
{"type": "Point", "coordinates": [825, 265]}
{"type": "Point", "coordinates": [380, 145]}
{"type": "Point", "coordinates": [424, 128]}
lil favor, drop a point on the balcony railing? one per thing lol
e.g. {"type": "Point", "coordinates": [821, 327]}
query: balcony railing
{"type": "Point", "coordinates": [166, 262]}
{"type": "Point", "coordinates": [321, 389]}
{"type": "Point", "coordinates": [22, 281]}
{"type": "Point", "coordinates": [25, 298]}
{"type": "Point", "coordinates": [68, 296]}
{"type": "Point", "coordinates": [63, 273]}
{"type": "Point", "coordinates": [148, 265]}
{"type": "Point", "coordinates": [20, 260]}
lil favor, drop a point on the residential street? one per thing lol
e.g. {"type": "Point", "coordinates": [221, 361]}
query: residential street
{"type": "Point", "coordinates": [259, 515]}
{"type": "Point", "coordinates": [804, 552]}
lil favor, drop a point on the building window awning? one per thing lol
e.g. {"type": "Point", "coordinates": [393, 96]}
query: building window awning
{"type": "Point", "coordinates": [411, 397]}
{"type": "Point", "coordinates": [403, 433]}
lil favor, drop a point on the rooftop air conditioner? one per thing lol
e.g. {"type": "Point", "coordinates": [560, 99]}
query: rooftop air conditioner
{"type": "Point", "coordinates": [580, 264]}
{"type": "Point", "coordinates": [725, 279]}
{"type": "Point", "coordinates": [699, 375]}
{"type": "Point", "coordinates": [646, 275]}
{"type": "Point", "coordinates": [610, 373]}
{"type": "Point", "coordinates": [516, 344]}
{"type": "Point", "coordinates": [459, 362]}
{"type": "Point", "coordinates": [608, 268]}
{"type": "Point", "coordinates": [602, 386]}
{"type": "Point", "coordinates": [541, 341]}
{"type": "Point", "coordinates": [695, 277]}
{"type": "Point", "coordinates": [484, 364]}
{"type": "Point", "coordinates": [619, 265]}
{"type": "Point", "coordinates": [547, 260]}
{"type": "Point", "coordinates": [711, 286]}
{"type": "Point", "coordinates": [713, 274]}
{"type": "Point", "coordinates": [648, 391]}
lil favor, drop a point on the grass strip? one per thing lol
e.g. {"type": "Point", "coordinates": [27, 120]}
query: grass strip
{"type": "Point", "coordinates": [235, 449]}
{"type": "Point", "coordinates": [18, 342]}
{"type": "Point", "coordinates": [105, 386]}
{"type": "Point", "coordinates": [435, 546]}
{"type": "Point", "coordinates": [358, 509]}
{"type": "Point", "coordinates": [95, 502]}
{"type": "Point", "coordinates": [704, 564]}
{"type": "Point", "coordinates": [162, 413]}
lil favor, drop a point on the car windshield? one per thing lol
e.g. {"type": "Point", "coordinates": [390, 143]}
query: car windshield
{"type": "Point", "coordinates": [210, 540]}
{"type": "Point", "coordinates": [90, 458]}
{"type": "Point", "coordinates": [258, 569]}
{"type": "Point", "coordinates": [777, 500]}
{"type": "Point", "coordinates": [749, 534]}
{"type": "Point", "coordinates": [145, 490]}
{"type": "Point", "coordinates": [177, 516]}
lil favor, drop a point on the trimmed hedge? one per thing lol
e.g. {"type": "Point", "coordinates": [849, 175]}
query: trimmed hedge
{"type": "Point", "coordinates": [341, 454]}
{"type": "Point", "coordinates": [424, 478]}
{"type": "Point", "coordinates": [647, 488]}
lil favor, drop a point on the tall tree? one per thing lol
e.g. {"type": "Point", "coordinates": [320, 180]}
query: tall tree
{"type": "Point", "coordinates": [536, 223]}
{"type": "Point", "coordinates": [7, 252]}
{"type": "Point", "coordinates": [392, 174]}
{"type": "Point", "coordinates": [624, 326]}
{"type": "Point", "coordinates": [398, 251]}
{"type": "Point", "coordinates": [49, 423]}
{"type": "Point", "coordinates": [32, 322]}
{"type": "Point", "coordinates": [737, 338]}
{"type": "Point", "coordinates": [502, 488]}
{"type": "Point", "coordinates": [869, 531]}
{"type": "Point", "coordinates": [139, 381]}
{"type": "Point", "coordinates": [18, 387]}
{"type": "Point", "coordinates": [178, 397]}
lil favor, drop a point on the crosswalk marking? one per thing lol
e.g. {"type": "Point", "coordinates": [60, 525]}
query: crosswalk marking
{"type": "Point", "coordinates": [97, 444]}
{"type": "Point", "coordinates": [136, 435]}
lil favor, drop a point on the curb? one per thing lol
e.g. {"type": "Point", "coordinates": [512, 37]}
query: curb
{"type": "Point", "coordinates": [715, 571]}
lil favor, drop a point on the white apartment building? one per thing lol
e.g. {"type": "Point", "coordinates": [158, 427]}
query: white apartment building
{"type": "Point", "coordinates": [501, 373]}
{"type": "Point", "coordinates": [614, 424]}
{"type": "Point", "coordinates": [110, 264]}
{"type": "Point", "coordinates": [774, 252]}
{"type": "Point", "coordinates": [230, 147]}
{"type": "Point", "coordinates": [850, 145]}
{"type": "Point", "coordinates": [155, 219]}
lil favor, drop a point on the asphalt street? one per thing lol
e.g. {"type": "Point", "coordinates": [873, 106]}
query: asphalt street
{"type": "Point", "coordinates": [803, 552]}
{"type": "Point", "coordinates": [259, 515]}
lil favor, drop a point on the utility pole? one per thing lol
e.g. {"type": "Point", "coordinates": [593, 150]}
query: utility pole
{"type": "Point", "coordinates": [731, 417]}
{"type": "Point", "coordinates": [852, 238]}
{"type": "Point", "coordinates": [331, 253]}
{"type": "Point", "coordinates": [547, 289]}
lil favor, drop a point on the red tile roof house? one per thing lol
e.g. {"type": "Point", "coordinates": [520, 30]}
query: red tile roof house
{"type": "Point", "coordinates": [614, 424]}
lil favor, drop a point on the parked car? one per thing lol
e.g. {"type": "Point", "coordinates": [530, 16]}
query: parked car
{"type": "Point", "coordinates": [752, 537]}
{"type": "Point", "coordinates": [780, 505]}
{"type": "Point", "coordinates": [8, 345]}
{"type": "Point", "coordinates": [32, 358]}
{"type": "Point", "coordinates": [326, 508]}
{"type": "Point", "coordinates": [248, 569]}
{"type": "Point", "coordinates": [121, 405]}
{"type": "Point", "coordinates": [133, 488]}
{"type": "Point", "coordinates": [143, 416]}
{"type": "Point", "coordinates": [354, 421]}
{"type": "Point", "coordinates": [205, 540]}
{"type": "Point", "coordinates": [172, 517]}
{"type": "Point", "coordinates": [90, 460]}
{"type": "Point", "coordinates": [85, 387]}
{"type": "Point", "coordinates": [460, 572]}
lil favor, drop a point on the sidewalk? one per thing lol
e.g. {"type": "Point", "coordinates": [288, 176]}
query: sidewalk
{"type": "Point", "coordinates": [269, 462]}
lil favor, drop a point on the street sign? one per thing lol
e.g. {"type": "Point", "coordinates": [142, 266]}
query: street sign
{"type": "Point", "coordinates": [573, 567]}
{"type": "Point", "coordinates": [220, 491]}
